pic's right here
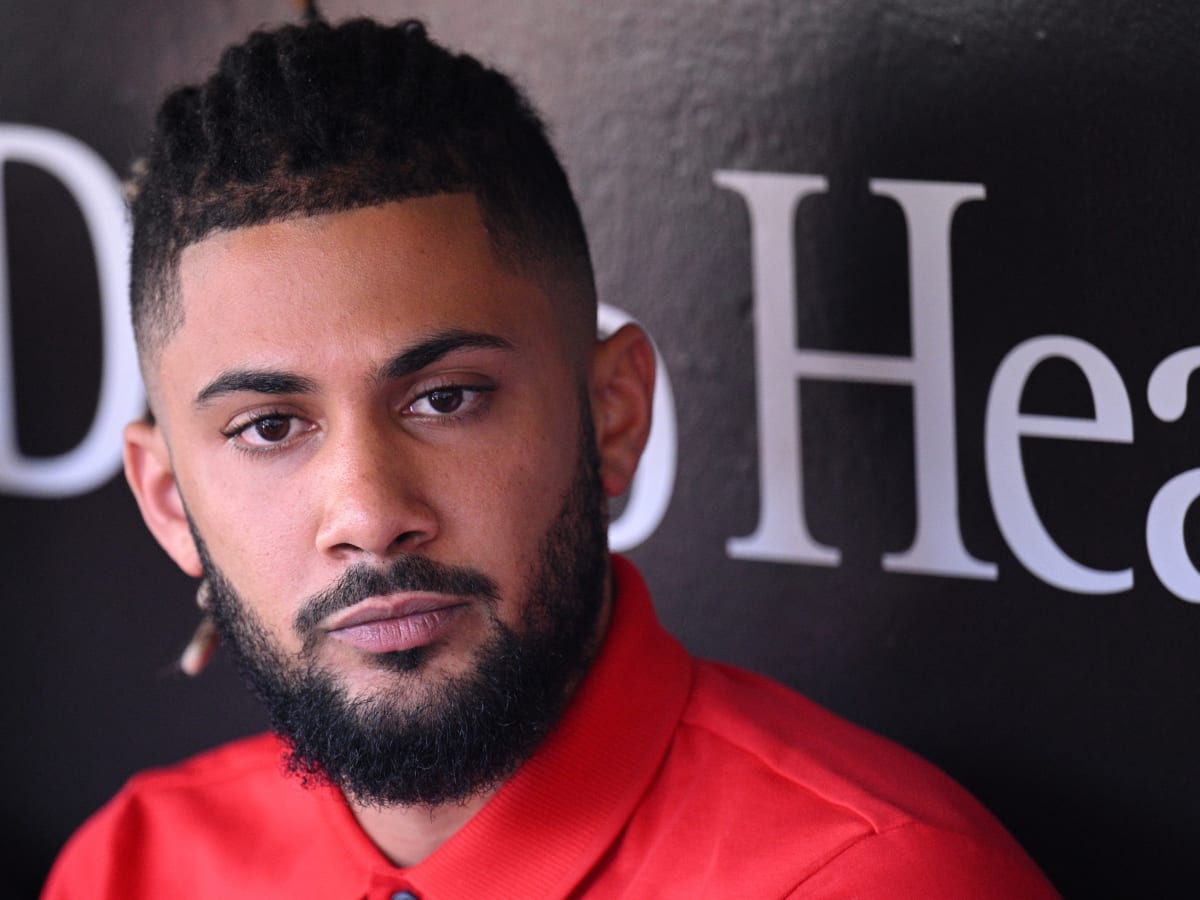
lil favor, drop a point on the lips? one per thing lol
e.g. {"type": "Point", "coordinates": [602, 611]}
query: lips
{"type": "Point", "coordinates": [387, 625]}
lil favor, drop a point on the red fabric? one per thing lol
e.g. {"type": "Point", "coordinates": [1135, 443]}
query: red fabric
{"type": "Point", "coordinates": [666, 778]}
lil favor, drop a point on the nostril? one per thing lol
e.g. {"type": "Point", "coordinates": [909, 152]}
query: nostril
{"type": "Point", "coordinates": [408, 537]}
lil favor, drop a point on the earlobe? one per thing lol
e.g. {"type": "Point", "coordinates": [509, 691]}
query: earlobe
{"type": "Point", "coordinates": [151, 477]}
{"type": "Point", "coordinates": [622, 393]}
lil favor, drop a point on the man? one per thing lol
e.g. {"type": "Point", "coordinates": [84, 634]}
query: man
{"type": "Point", "coordinates": [383, 435]}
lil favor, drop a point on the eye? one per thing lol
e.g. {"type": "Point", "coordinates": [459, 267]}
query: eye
{"type": "Point", "coordinates": [447, 401]}
{"type": "Point", "coordinates": [267, 430]}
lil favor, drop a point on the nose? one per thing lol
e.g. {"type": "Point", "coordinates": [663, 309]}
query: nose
{"type": "Point", "coordinates": [373, 494]}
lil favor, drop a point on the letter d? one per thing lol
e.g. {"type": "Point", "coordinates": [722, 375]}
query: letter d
{"type": "Point", "coordinates": [98, 456]}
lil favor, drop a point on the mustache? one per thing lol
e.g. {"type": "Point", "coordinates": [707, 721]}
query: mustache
{"type": "Point", "coordinates": [405, 573]}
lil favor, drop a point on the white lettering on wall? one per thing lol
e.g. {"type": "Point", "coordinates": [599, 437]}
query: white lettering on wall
{"type": "Point", "coordinates": [98, 456]}
{"type": "Point", "coordinates": [1004, 427]}
{"type": "Point", "coordinates": [1167, 394]}
{"type": "Point", "coordinates": [782, 534]}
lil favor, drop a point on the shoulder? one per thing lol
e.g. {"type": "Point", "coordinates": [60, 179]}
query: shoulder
{"type": "Point", "coordinates": [165, 819]}
{"type": "Point", "coordinates": [764, 724]}
{"type": "Point", "coordinates": [242, 758]}
{"type": "Point", "coordinates": [199, 786]}
{"type": "Point", "coordinates": [783, 772]}
{"type": "Point", "coordinates": [920, 861]}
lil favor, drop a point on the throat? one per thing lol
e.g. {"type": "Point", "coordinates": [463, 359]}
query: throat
{"type": "Point", "coordinates": [407, 835]}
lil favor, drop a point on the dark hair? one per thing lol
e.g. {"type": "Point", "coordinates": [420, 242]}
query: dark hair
{"type": "Point", "coordinates": [314, 118]}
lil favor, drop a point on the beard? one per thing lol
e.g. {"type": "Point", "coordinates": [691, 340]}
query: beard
{"type": "Point", "coordinates": [461, 735]}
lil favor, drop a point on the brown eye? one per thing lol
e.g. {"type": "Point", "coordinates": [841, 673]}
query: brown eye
{"type": "Point", "coordinates": [451, 402]}
{"type": "Point", "coordinates": [271, 431]}
{"type": "Point", "coordinates": [446, 400]}
{"type": "Point", "coordinates": [273, 428]}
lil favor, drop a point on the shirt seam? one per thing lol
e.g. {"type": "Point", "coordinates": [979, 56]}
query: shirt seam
{"type": "Point", "coordinates": [987, 846]}
{"type": "Point", "coordinates": [791, 778]}
{"type": "Point", "coordinates": [908, 819]}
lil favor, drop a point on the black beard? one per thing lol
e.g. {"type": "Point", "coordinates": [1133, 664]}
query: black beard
{"type": "Point", "coordinates": [469, 732]}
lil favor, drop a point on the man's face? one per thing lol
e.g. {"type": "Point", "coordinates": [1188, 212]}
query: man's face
{"type": "Point", "coordinates": [354, 392]}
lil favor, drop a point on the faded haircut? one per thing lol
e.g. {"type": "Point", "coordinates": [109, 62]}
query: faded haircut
{"type": "Point", "coordinates": [313, 119]}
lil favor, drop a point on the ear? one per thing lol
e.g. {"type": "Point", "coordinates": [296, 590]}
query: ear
{"type": "Point", "coordinates": [622, 394]}
{"type": "Point", "coordinates": [151, 476]}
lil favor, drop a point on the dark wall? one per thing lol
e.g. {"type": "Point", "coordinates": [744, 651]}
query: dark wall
{"type": "Point", "coordinates": [1065, 698]}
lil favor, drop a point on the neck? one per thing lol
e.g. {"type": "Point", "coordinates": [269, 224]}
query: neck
{"type": "Point", "coordinates": [408, 834]}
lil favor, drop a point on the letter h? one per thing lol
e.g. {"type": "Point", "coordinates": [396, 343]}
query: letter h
{"type": "Point", "coordinates": [782, 534]}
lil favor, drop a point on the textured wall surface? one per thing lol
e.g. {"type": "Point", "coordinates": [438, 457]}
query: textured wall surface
{"type": "Point", "coordinates": [1072, 715]}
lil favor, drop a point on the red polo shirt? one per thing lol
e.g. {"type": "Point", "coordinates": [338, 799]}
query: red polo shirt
{"type": "Point", "coordinates": [667, 777]}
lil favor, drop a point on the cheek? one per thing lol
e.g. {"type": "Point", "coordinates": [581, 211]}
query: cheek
{"type": "Point", "coordinates": [242, 524]}
{"type": "Point", "coordinates": [254, 537]}
{"type": "Point", "coordinates": [513, 497]}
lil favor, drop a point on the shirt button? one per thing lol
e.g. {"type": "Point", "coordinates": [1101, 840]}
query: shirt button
{"type": "Point", "coordinates": [405, 895]}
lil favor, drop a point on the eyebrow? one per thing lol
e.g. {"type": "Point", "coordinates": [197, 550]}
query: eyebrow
{"type": "Point", "coordinates": [433, 348]}
{"type": "Point", "coordinates": [254, 381]}
{"type": "Point", "coordinates": [407, 362]}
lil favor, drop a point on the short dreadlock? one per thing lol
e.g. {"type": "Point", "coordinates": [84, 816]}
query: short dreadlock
{"type": "Point", "coordinates": [314, 119]}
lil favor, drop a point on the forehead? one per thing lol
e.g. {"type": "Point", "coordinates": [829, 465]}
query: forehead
{"type": "Point", "coordinates": [356, 282]}
{"type": "Point", "coordinates": [397, 253]}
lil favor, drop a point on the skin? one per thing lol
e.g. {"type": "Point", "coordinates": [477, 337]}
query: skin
{"type": "Point", "coordinates": [354, 460]}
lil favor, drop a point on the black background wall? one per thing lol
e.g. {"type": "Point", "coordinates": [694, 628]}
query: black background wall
{"type": "Point", "coordinates": [1075, 716]}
